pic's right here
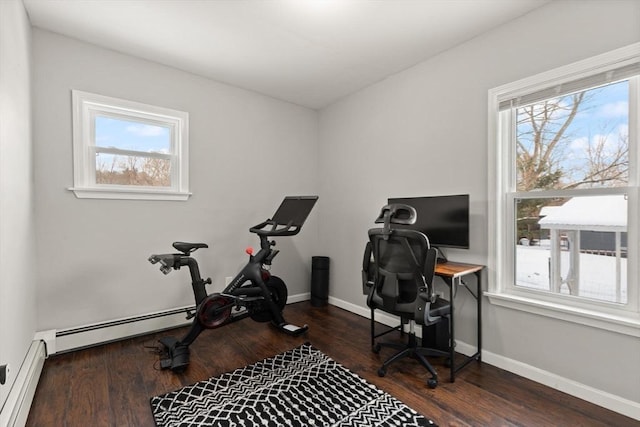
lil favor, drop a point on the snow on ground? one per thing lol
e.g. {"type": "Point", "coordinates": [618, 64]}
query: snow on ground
{"type": "Point", "coordinates": [597, 273]}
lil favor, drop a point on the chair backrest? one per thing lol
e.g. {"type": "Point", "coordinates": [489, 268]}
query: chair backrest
{"type": "Point", "coordinates": [404, 262]}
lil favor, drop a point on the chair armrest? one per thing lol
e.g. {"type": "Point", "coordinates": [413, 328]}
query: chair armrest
{"type": "Point", "coordinates": [368, 270]}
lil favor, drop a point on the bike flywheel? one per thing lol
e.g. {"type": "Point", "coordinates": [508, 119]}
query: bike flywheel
{"type": "Point", "coordinates": [214, 310]}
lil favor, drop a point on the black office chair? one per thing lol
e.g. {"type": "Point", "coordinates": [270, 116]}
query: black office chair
{"type": "Point", "coordinates": [397, 274]}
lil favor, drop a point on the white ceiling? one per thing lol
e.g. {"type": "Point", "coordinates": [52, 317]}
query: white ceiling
{"type": "Point", "coordinates": [309, 52]}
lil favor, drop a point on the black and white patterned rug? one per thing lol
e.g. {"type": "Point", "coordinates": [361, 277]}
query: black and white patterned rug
{"type": "Point", "coordinates": [301, 387]}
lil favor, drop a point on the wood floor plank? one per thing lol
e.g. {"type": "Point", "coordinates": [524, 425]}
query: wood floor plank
{"type": "Point", "coordinates": [88, 390]}
{"type": "Point", "coordinates": [54, 377]}
{"type": "Point", "coordinates": [110, 385]}
{"type": "Point", "coordinates": [124, 378]}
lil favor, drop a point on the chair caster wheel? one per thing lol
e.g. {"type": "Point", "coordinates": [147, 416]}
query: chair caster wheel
{"type": "Point", "coordinates": [382, 372]}
{"type": "Point", "coordinates": [432, 382]}
{"type": "Point", "coordinates": [376, 348]}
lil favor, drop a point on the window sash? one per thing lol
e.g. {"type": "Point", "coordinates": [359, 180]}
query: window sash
{"type": "Point", "coordinates": [118, 151]}
{"type": "Point", "coordinates": [129, 153]}
{"type": "Point", "coordinates": [137, 117]}
{"type": "Point", "coordinates": [511, 245]}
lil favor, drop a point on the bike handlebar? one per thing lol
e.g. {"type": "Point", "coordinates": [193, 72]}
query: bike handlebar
{"type": "Point", "coordinates": [287, 229]}
{"type": "Point", "coordinates": [167, 261]}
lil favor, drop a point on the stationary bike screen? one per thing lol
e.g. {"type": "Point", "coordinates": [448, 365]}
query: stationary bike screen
{"type": "Point", "coordinates": [294, 210]}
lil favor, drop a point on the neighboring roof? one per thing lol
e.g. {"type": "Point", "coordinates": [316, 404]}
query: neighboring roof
{"type": "Point", "coordinates": [597, 213]}
{"type": "Point", "coordinates": [547, 210]}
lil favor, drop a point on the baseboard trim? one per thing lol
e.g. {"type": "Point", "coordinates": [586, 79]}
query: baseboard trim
{"type": "Point", "coordinates": [365, 312]}
{"type": "Point", "coordinates": [607, 400]}
{"type": "Point", "coordinates": [78, 337]}
{"type": "Point", "coordinates": [292, 299]}
{"type": "Point", "coordinates": [16, 408]}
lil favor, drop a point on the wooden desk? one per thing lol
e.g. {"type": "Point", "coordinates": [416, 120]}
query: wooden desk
{"type": "Point", "coordinates": [452, 273]}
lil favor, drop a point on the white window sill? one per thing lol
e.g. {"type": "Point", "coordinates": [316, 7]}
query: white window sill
{"type": "Point", "coordinates": [129, 194]}
{"type": "Point", "coordinates": [627, 325]}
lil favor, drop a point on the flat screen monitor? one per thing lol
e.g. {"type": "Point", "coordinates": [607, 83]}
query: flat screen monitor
{"type": "Point", "coordinates": [443, 219]}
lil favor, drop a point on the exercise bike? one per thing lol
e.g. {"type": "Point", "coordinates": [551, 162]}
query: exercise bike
{"type": "Point", "coordinates": [253, 293]}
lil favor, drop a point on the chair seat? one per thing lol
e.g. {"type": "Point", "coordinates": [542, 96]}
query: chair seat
{"type": "Point", "coordinates": [441, 307]}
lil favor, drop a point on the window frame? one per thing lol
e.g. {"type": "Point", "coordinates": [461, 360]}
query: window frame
{"type": "Point", "coordinates": [86, 106]}
{"type": "Point", "coordinates": [502, 291]}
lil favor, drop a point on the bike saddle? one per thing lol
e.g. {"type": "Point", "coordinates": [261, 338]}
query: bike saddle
{"type": "Point", "coordinates": [187, 248]}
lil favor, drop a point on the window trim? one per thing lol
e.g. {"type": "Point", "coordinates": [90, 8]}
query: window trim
{"type": "Point", "coordinates": [86, 106]}
{"type": "Point", "coordinates": [601, 315]}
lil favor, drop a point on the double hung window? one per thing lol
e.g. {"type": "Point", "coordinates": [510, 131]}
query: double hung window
{"type": "Point", "coordinates": [564, 183]}
{"type": "Point", "coordinates": [128, 150]}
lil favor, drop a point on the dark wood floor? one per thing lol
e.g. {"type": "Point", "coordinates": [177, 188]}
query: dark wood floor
{"type": "Point", "coordinates": [110, 385]}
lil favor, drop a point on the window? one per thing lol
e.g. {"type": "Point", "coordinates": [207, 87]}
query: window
{"type": "Point", "coordinates": [564, 188]}
{"type": "Point", "coordinates": [128, 150]}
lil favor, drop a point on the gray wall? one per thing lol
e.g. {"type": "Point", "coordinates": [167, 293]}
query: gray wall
{"type": "Point", "coordinates": [424, 132]}
{"type": "Point", "coordinates": [17, 238]}
{"type": "Point", "coordinates": [247, 151]}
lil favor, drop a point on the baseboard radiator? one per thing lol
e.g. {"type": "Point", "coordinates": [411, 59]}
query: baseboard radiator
{"type": "Point", "coordinates": [16, 408]}
{"type": "Point", "coordinates": [71, 339]}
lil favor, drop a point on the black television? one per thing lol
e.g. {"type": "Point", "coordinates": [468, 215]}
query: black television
{"type": "Point", "coordinates": [443, 219]}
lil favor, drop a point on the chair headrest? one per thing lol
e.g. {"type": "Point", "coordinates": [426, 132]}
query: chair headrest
{"type": "Point", "coordinates": [396, 213]}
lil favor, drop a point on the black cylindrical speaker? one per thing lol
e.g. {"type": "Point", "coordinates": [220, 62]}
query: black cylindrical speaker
{"type": "Point", "coordinates": [319, 281]}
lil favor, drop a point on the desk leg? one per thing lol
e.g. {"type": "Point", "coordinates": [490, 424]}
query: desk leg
{"type": "Point", "coordinates": [479, 312]}
{"type": "Point", "coordinates": [451, 283]}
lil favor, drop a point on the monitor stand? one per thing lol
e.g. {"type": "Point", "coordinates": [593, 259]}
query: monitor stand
{"type": "Point", "coordinates": [440, 257]}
